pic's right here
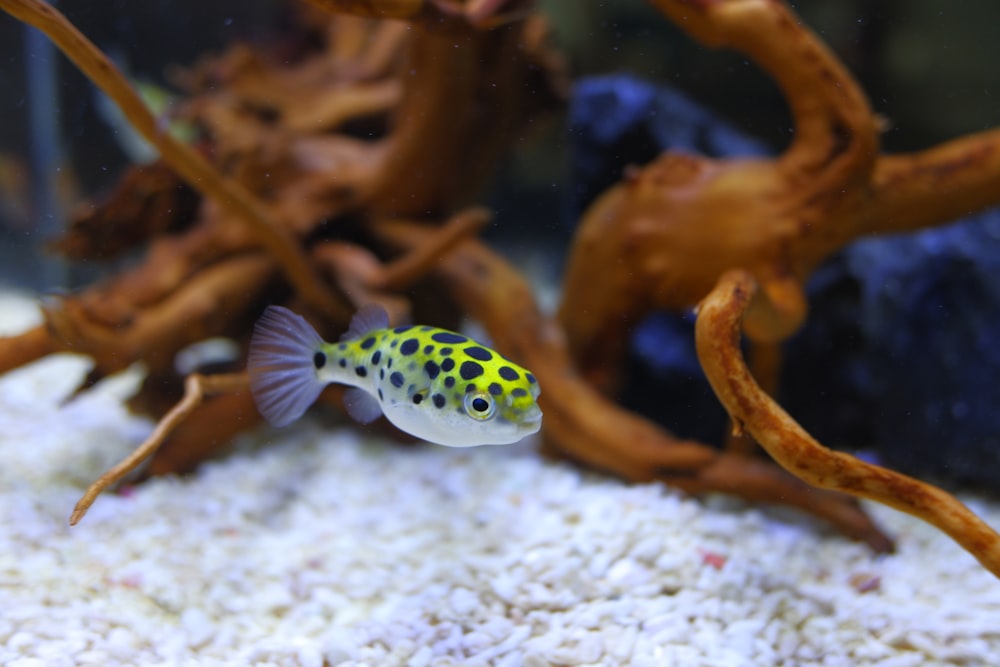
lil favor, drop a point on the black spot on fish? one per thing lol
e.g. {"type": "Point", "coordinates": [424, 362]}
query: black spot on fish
{"type": "Point", "coordinates": [361, 371]}
{"type": "Point", "coordinates": [319, 360]}
{"type": "Point", "coordinates": [495, 389]}
{"type": "Point", "coordinates": [402, 329]}
{"type": "Point", "coordinates": [342, 346]}
{"type": "Point", "coordinates": [428, 349]}
{"type": "Point", "coordinates": [389, 363]}
{"type": "Point", "coordinates": [518, 392]}
{"type": "Point", "coordinates": [377, 357]}
{"type": "Point", "coordinates": [449, 381]}
{"type": "Point", "coordinates": [381, 374]}
{"type": "Point", "coordinates": [367, 343]}
{"type": "Point", "coordinates": [447, 365]}
{"type": "Point", "coordinates": [417, 398]}
{"type": "Point", "coordinates": [469, 370]}
{"type": "Point", "coordinates": [397, 379]}
{"type": "Point", "coordinates": [380, 396]}
{"type": "Point", "coordinates": [426, 328]}
{"type": "Point", "coordinates": [480, 353]}
{"type": "Point", "coordinates": [432, 369]}
{"type": "Point", "coordinates": [445, 351]}
{"type": "Point", "coordinates": [508, 373]}
{"type": "Point", "coordinates": [409, 346]}
{"type": "Point", "coordinates": [469, 388]}
{"type": "Point", "coordinates": [343, 363]}
{"type": "Point", "coordinates": [531, 378]}
{"type": "Point", "coordinates": [438, 400]}
{"type": "Point", "coordinates": [394, 343]}
{"type": "Point", "coordinates": [448, 337]}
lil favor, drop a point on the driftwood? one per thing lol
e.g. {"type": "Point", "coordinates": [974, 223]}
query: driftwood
{"type": "Point", "coordinates": [679, 225]}
{"type": "Point", "coordinates": [284, 204]}
{"type": "Point", "coordinates": [682, 221]}
{"type": "Point", "coordinates": [718, 336]}
{"type": "Point", "coordinates": [324, 184]}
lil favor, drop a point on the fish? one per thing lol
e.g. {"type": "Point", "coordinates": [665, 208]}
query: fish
{"type": "Point", "coordinates": [435, 384]}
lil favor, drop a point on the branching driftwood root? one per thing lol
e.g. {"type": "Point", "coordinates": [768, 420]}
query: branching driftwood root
{"type": "Point", "coordinates": [683, 221]}
{"type": "Point", "coordinates": [718, 339]}
{"type": "Point", "coordinates": [209, 424]}
{"type": "Point", "coordinates": [582, 424]}
{"type": "Point", "coordinates": [292, 208]}
{"type": "Point", "coordinates": [286, 200]}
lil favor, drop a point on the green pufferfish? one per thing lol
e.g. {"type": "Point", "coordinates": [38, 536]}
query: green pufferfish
{"type": "Point", "coordinates": [435, 384]}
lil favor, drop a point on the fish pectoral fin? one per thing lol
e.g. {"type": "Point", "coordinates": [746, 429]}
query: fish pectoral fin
{"type": "Point", "coordinates": [361, 406]}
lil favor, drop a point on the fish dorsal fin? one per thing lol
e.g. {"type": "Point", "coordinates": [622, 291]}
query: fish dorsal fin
{"type": "Point", "coordinates": [369, 317]}
{"type": "Point", "coordinates": [361, 406]}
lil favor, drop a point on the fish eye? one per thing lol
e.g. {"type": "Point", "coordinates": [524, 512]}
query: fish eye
{"type": "Point", "coordinates": [480, 406]}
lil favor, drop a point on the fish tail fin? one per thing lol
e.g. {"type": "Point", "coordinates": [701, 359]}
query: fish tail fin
{"type": "Point", "coordinates": [283, 379]}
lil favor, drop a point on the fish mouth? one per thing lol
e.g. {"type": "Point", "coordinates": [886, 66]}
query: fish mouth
{"type": "Point", "coordinates": [531, 422]}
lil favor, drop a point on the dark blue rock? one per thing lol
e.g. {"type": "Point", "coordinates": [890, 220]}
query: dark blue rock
{"type": "Point", "coordinates": [616, 121]}
{"type": "Point", "coordinates": [901, 352]}
{"type": "Point", "coordinates": [929, 308]}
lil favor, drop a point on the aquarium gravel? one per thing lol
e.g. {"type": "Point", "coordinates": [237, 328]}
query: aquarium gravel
{"type": "Point", "coordinates": [316, 546]}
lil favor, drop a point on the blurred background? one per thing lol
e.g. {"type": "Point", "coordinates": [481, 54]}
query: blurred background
{"type": "Point", "coordinates": [929, 66]}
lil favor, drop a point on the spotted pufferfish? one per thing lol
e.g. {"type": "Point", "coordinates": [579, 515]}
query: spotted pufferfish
{"type": "Point", "coordinates": [435, 384]}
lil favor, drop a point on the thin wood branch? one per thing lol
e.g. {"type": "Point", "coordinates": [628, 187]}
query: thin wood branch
{"type": "Point", "coordinates": [219, 300]}
{"type": "Point", "coordinates": [718, 343]}
{"type": "Point", "coordinates": [379, 9]}
{"type": "Point", "coordinates": [922, 189]}
{"type": "Point", "coordinates": [26, 347]}
{"type": "Point", "coordinates": [196, 387]}
{"type": "Point", "coordinates": [836, 133]}
{"type": "Point", "coordinates": [420, 261]}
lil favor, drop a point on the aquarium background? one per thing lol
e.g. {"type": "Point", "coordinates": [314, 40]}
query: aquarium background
{"type": "Point", "coordinates": [929, 68]}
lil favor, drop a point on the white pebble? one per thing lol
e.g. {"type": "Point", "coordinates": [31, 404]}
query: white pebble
{"type": "Point", "coordinates": [463, 601]}
{"type": "Point", "coordinates": [198, 626]}
{"type": "Point", "coordinates": [421, 658]}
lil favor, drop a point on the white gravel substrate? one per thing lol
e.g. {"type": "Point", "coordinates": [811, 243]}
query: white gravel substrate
{"type": "Point", "coordinates": [317, 547]}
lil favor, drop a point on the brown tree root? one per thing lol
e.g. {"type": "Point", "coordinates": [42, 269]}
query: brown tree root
{"type": "Point", "coordinates": [718, 340]}
{"type": "Point", "coordinates": [583, 425]}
